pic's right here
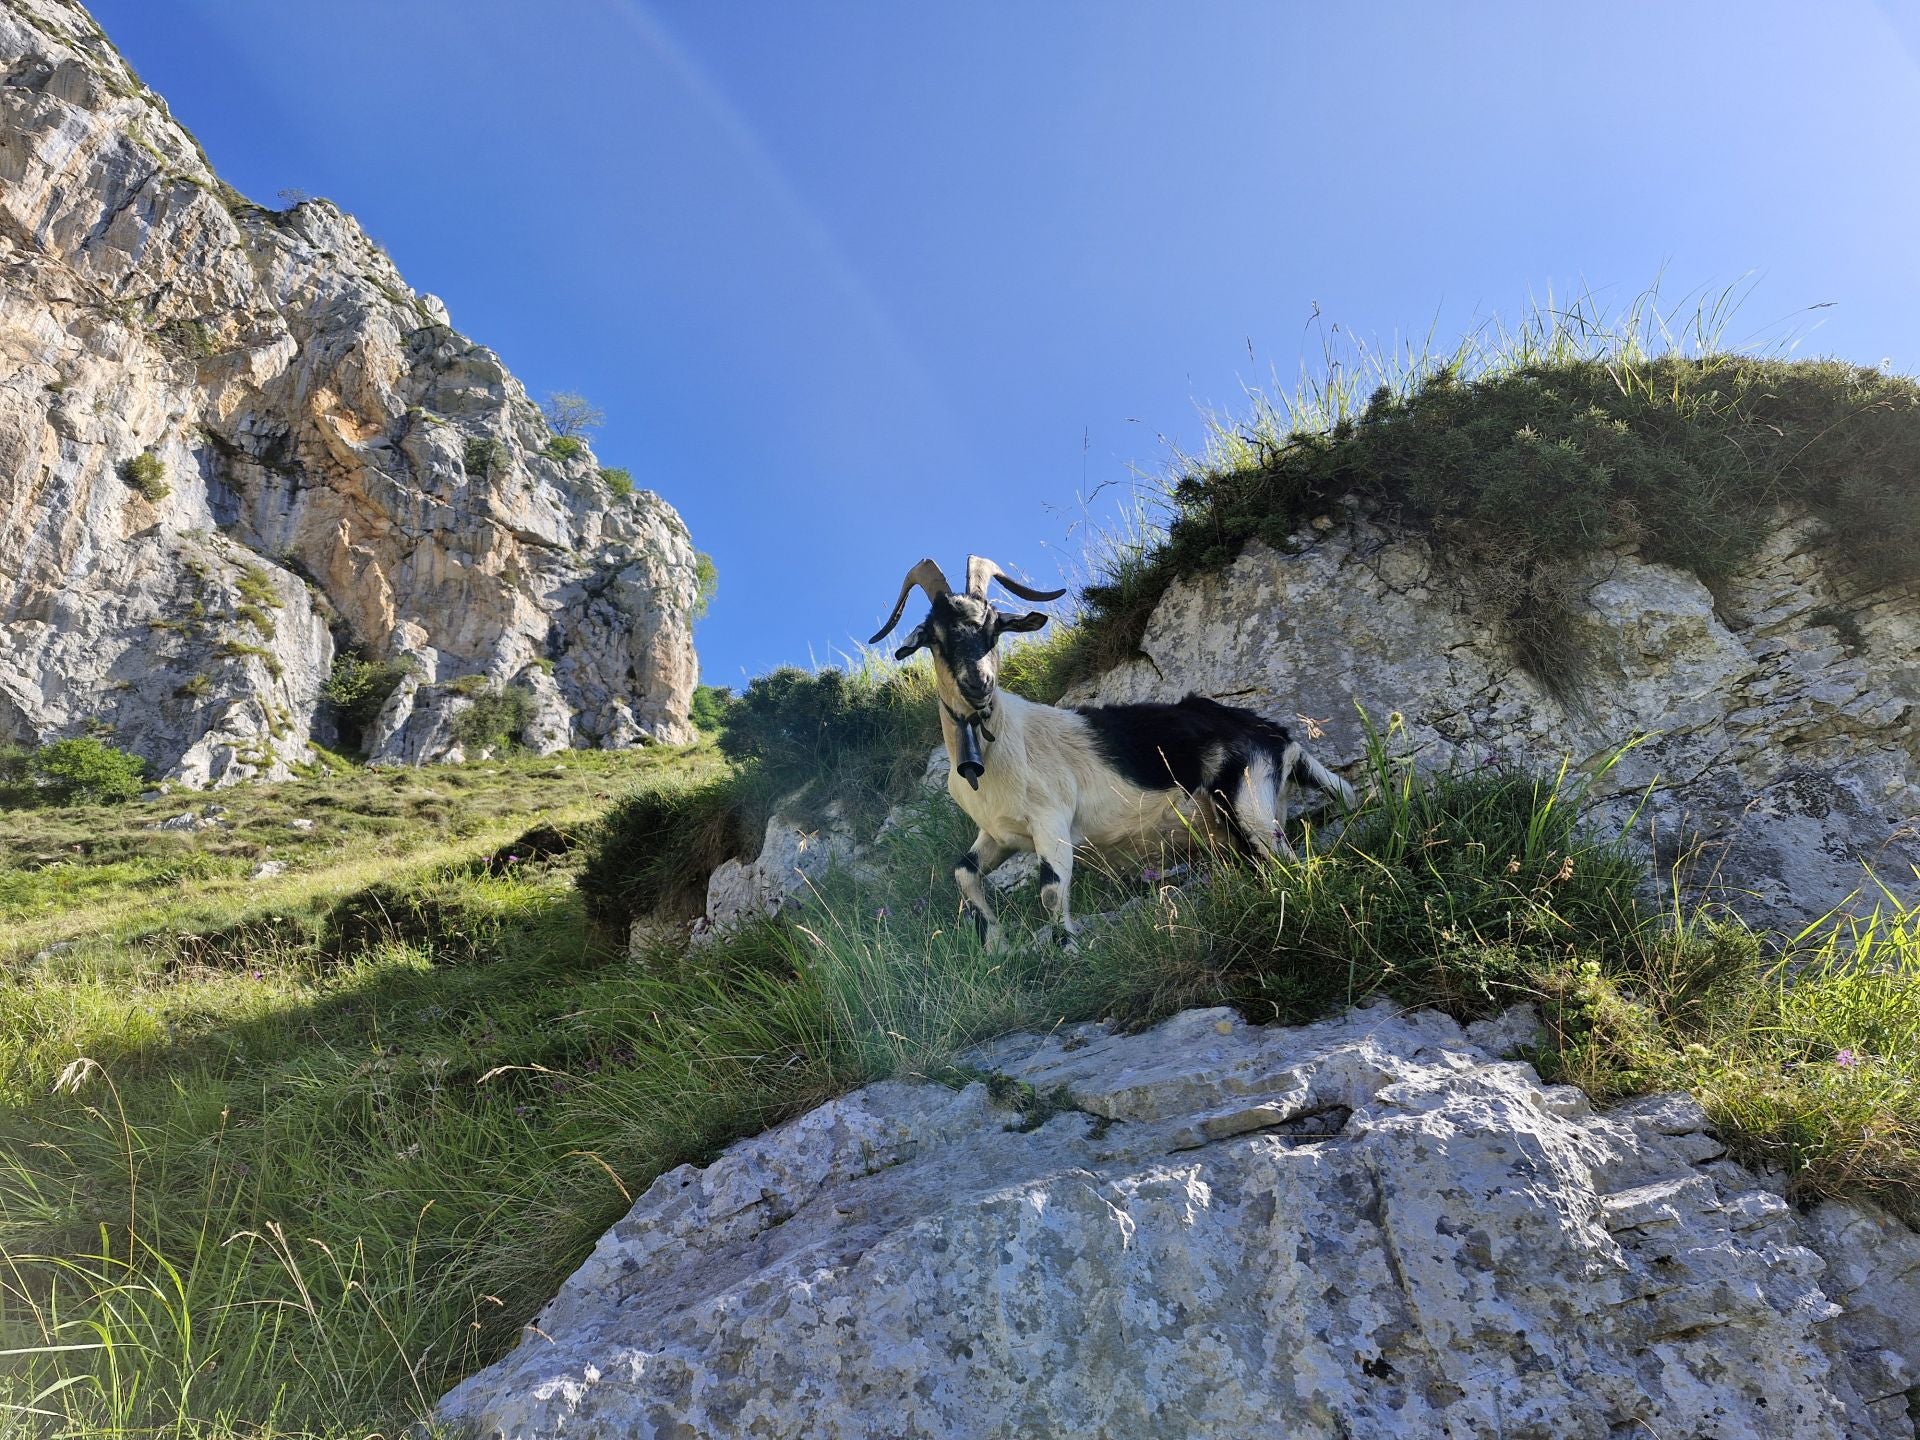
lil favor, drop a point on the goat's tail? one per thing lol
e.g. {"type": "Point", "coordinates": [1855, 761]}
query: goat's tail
{"type": "Point", "coordinates": [1305, 770]}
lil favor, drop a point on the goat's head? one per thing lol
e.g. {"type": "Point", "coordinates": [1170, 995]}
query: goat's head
{"type": "Point", "coordinates": [961, 631]}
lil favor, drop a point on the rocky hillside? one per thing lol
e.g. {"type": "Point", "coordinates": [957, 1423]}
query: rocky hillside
{"type": "Point", "coordinates": [234, 444]}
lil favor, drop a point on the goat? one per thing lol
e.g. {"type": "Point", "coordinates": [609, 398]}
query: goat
{"type": "Point", "coordinates": [1111, 777]}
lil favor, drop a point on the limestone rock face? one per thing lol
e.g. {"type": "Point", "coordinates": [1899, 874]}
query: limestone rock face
{"type": "Point", "coordinates": [330, 463]}
{"type": "Point", "coordinates": [1782, 717]}
{"type": "Point", "coordinates": [1366, 1227]}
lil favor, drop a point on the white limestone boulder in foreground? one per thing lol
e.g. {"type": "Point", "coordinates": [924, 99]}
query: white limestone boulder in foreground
{"type": "Point", "coordinates": [1365, 1227]}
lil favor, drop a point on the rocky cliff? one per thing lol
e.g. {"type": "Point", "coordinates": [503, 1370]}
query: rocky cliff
{"type": "Point", "coordinates": [234, 441]}
{"type": "Point", "coordinates": [1363, 1228]}
{"type": "Point", "coordinates": [1778, 713]}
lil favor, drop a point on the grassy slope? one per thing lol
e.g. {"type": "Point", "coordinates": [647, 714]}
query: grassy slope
{"type": "Point", "coordinates": [303, 1191]}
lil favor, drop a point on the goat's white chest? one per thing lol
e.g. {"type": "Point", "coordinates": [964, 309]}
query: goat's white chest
{"type": "Point", "coordinates": [994, 807]}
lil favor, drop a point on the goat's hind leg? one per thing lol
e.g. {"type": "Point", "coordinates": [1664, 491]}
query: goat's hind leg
{"type": "Point", "coordinates": [969, 874]}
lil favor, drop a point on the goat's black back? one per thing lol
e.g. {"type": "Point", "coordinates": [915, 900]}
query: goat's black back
{"type": "Point", "coordinates": [1198, 743]}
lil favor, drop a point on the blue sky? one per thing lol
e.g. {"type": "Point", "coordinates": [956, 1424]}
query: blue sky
{"type": "Point", "coordinates": [858, 282]}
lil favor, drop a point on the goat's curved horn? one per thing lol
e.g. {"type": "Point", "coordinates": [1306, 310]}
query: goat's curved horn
{"type": "Point", "coordinates": [929, 578]}
{"type": "Point", "coordinates": [982, 572]}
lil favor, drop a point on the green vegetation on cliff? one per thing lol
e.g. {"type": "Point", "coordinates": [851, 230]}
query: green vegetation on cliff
{"type": "Point", "coordinates": [1527, 453]}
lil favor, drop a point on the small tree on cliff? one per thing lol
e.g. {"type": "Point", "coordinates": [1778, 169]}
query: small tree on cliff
{"type": "Point", "coordinates": [571, 415]}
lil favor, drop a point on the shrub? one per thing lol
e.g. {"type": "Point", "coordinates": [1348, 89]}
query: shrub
{"type": "Point", "coordinates": [87, 771]}
{"type": "Point", "coordinates": [16, 764]}
{"type": "Point", "coordinates": [706, 581]}
{"type": "Point", "coordinates": [357, 688]}
{"type": "Point", "coordinates": [709, 706]}
{"type": "Point", "coordinates": [800, 741]}
{"type": "Point", "coordinates": [565, 447]}
{"type": "Point", "coordinates": [240, 650]}
{"type": "Point", "coordinates": [193, 687]}
{"type": "Point", "coordinates": [145, 473]}
{"type": "Point", "coordinates": [495, 718]}
{"type": "Point", "coordinates": [618, 479]}
{"type": "Point", "coordinates": [256, 587]}
{"type": "Point", "coordinates": [194, 337]}
{"type": "Point", "coordinates": [861, 738]}
{"type": "Point", "coordinates": [260, 620]}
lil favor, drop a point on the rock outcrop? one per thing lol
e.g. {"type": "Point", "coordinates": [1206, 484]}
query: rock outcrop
{"type": "Point", "coordinates": [1361, 1228]}
{"type": "Point", "coordinates": [1781, 712]}
{"type": "Point", "coordinates": [233, 439]}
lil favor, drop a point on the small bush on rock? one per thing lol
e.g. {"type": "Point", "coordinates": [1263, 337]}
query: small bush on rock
{"type": "Point", "coordinates": [357, 688]}
{"type": "Point", "coordinates": [861, 738]}
{"type": "Point", "coordinates": [495, 719]}
{"type": "Point", "coordinates": [706, 583]}
{"type": "Point", "coordinates": [1525, 458]}
{"type": "Point", "coordinates": [653, 852]}
{"type": "Point", "coordinates": [618, 479]}
{"type": "Point", "coordinates": [485, 457]}
{"type": "Point", "coordinates": [571, 414]}
{"type": "Point", "coordinates": [145, 473]}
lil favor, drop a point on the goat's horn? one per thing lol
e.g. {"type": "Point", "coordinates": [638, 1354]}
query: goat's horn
{"type": "Point", "coordinates": [982, 572]}
{"type": "Point", "coordinates": [929, 578]}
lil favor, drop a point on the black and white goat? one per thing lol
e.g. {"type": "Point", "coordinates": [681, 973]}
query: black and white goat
{"type": "Point", "coordinates": [1111, 777]}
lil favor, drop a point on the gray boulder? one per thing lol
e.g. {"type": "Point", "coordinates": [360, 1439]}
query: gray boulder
{"type": "Point", "coordinates": [1366, 1227]}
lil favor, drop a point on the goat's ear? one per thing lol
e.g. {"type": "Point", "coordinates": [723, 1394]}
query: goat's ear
{"type": "Point", "coordinates": [915, 641]}
{"type": "Point", "coordinates": [1032, 620]}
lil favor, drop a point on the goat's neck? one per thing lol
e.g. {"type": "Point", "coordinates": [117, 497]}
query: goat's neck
{"type": "Point", "coordinates": [991, 723]}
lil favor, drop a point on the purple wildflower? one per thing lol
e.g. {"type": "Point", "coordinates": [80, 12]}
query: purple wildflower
{"type": "Point", "coordinates": [883, 913]}
{"type": "Point", "coordinates": [1846, 1059]}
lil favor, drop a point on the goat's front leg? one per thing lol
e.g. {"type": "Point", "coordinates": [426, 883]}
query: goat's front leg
{"type": "Point", "coordinates": [969, 874]}
{"type": "Point", "coordinates": [1055, 849]}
